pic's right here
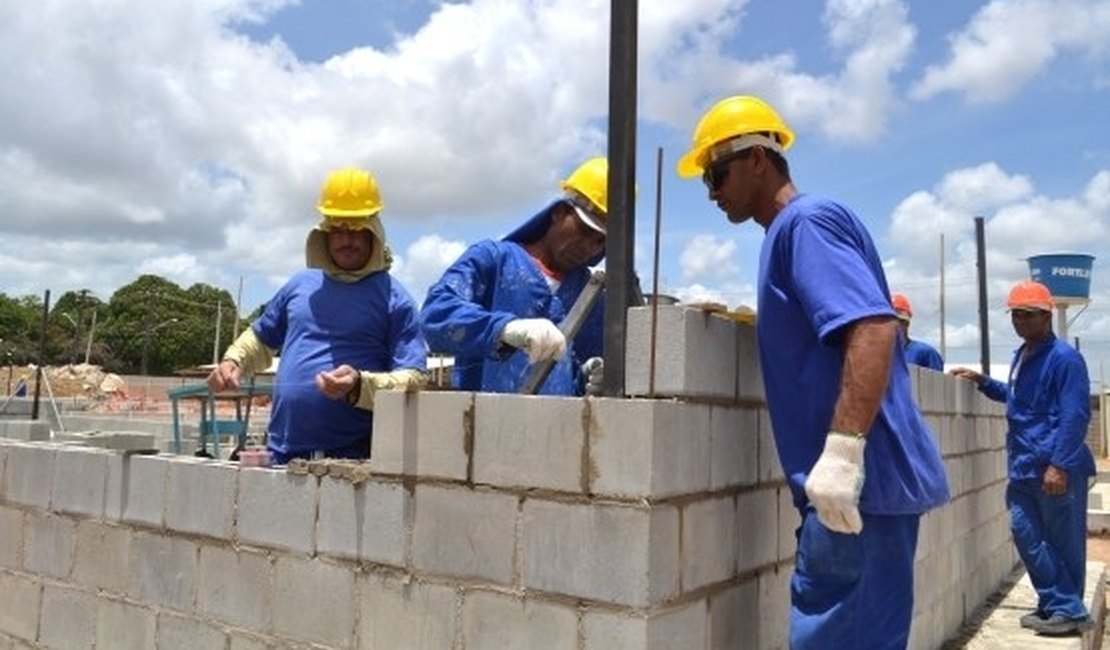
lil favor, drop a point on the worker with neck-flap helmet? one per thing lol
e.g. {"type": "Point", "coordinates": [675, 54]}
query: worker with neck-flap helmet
{"type": "Point", "coordinates": [498, 308]}
{"type": "Point", "coordinates": [344, 329]}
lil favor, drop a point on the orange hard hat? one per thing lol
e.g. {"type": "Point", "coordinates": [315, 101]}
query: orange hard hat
{"type": "Point", "coordinates": [1030, 295]}
{"type": "Point", "coordinates": [902, 306]}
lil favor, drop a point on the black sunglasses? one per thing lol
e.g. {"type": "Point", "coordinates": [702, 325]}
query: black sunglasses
{"type": "Point", "coordinates": [716, 173]}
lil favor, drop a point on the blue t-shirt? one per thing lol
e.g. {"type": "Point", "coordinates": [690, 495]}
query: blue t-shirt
{"type": "Point", "coordinates": [1048, 407]}
{"type": "Point", "coordinates": [819, 272]}
{"type": "Point", "coordinates": [317, 324]}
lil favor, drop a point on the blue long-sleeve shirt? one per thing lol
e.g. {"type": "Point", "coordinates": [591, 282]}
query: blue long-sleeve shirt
{"type": "Point", "coordinates": [1048, 408]}
{"type": "Point", "coordinates": [492, 283]}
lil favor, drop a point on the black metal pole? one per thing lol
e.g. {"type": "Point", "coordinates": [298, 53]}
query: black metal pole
{"type": "Point", "coordinates": [620, 242]}
{"type": "Point", "coordinates": [981, 267]}
{"type": "Point", "coordinates": [42, 355]}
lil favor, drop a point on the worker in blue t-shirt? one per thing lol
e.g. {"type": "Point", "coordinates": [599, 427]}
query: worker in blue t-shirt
{"type": "Point", "coordinates": [917, 352]}
{"type": "Point", "coordinates": [858, 457]}
{"type": "Point", "coordinates": [345, 328]}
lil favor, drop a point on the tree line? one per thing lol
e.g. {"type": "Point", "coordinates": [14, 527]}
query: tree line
{"type": "Point", "coordinates": [151, 322]}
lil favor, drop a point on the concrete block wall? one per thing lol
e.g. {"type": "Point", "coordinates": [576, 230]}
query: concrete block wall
{"type": "Point", "coordinates": [485, 521]}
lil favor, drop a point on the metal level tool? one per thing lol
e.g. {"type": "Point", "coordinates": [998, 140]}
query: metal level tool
{"type": "Point", "coordinates": [569, 327]}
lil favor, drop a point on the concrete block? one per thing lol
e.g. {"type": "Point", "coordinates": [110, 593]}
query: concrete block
{"type": "Point", "coordinates": [235, 587]}
{"type": "Point", "coordinates": [633, 556]}
{"type": "Point", "coordinates": [20, 602]}
{"type": "Point", "coordinates": [125, 440]}
{"type": "Point", "coordinates": [734, 617]}
{"type": "Point", "coordinates": [774, 611]}
{"type": "Point", "coordinates": [80, 480]}
{"type": "Point", "coordinates": [48, 544]}
{"type": "Point", "coordinates": [529, 441]}
{"type": "Point", "coordinates": [757, 536]}
{"type": "Point", "coordinates": [28, 474]}
{"type": "Point", "coordinates": [411, 615]}
{"type": "Point", "coordinates": [312, 601]}
{"type": "Point", "coordinates": [68, 618]}
{"type": "Point", "coordinates": [770, 468]}
{"type": "Point", "coordinates": [683, 627]}
{"type": "Point", "coordinates": [11, 538]}
{"type": "Point", "coordinates": [102, 556]}
{"type": "Point", "coordinates": [238, 640]}
{"type": "Point", "coordinates": [367, 521]}
{"type": "Point", "coordinates": [276, 509]}
{"type": "Point", "coordinates": [648, 448]}
{"type": "Point", "coordinates": [708, 542]}
{"type": "Point", "coordinates": [27, 430]}
{"type": "Point", "coordinates": [695, 354]}
{"type": "Point", "coordinates": [123, 626]}
{"type": "Point", "coordinates": [733, 446]}
{"type": "Point", "coordinates": [465, 533]}
{"type": "Point", "coordinates": [137, 489]}
{"type": "Point", "coordinates": [200, 497]}
{"type": "Point", "coordinates": [163, 571]}
{"type": "Point", "coordinates": [749, 372]}
{"type": "Point", "coordinates": [495, 621]}
{"type": "Point", "coordinates": [423, 433]}
{"type": "Point", "coordinates": [789, 521]}
{"type": "Point", "coordinates": [183, 632]}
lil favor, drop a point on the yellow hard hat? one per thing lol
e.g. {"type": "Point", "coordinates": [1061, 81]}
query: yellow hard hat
{"type": "Point", "coordinates": [349, 192]}
{"type": "Point", "coordinates": [587, 189]}
{"type": "Point", "coordinates": [730, 118]}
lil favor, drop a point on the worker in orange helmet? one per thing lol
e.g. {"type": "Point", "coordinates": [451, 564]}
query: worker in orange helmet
{"type": "Point", "coordinates": [917, 352]}
{"type": "Point", "coordinates": [1048, 409]}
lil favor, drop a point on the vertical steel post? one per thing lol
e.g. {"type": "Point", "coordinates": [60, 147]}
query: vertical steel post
{"type": "Point", "coordinates": [620, 242]}
{"type": "Point", "coordinates": [42, 354]}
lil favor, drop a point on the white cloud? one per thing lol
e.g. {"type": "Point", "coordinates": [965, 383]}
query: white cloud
{"type": "Point", "coordinates": [1009, 42]}
{"type": "Point", "coordinates": [706, 256]}
{"type": "Point", "coordinates": [424, 262]}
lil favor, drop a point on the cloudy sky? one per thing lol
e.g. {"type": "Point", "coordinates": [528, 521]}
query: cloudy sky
{"type": "Point", "coordinates": [189, 139]}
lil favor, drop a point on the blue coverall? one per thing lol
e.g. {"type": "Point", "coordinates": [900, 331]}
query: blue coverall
{"type": "Point", "coordinates": [923, 354]}
{"type": "Point", "coordinates": [492, 283]}
{"type": "Point", "coordinates": [1048, 409]}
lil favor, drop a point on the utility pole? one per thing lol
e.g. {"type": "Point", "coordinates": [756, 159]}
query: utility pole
{"type": "Point", "coordinates": [943, 345]}
{"type": "Point", "coordinates": [88, 348]}
{"type": "Point", "coordinates": [216, 341]}
{"type": "Point", "coordinates": [981, 266]}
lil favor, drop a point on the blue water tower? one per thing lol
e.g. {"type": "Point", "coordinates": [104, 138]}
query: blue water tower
{"type": "Point", "coordinates": [1068, 278]}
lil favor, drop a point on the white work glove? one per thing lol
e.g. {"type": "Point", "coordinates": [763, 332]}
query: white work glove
{"type": "Point", "coordinates": [594, 370]}
{"type": "Point", "coordinates": [538, 336]}
{"type": "Point", "coordinates": [835, 482]}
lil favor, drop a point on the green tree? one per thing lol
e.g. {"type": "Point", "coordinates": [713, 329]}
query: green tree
{"type": "Point", "coordinates": [172, 328]}
{"type": "Point", "coordinates": [19, 326]}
